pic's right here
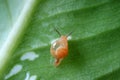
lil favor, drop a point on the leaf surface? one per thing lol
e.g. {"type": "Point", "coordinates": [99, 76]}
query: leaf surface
{"type": "Point", "coordinates": [93, 50]}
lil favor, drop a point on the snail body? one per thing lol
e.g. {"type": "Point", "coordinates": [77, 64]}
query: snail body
{"type": "Point", "coordinates": [59, 49]}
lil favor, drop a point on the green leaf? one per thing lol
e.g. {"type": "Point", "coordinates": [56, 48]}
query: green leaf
{"type": "Point", "coordinates": [14, 33]}
{"type": "Point", "coordinates": [93, 48]}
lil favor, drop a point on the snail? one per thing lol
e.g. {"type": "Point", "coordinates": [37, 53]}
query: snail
{"type": "Point", "coordinates": [59, 48]}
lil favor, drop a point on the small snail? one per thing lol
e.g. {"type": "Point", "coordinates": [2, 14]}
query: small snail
{"type": "Point", "coordinates": [59, 48]}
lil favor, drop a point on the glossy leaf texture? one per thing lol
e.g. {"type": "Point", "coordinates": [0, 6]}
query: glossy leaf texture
{"type": "Point", "coordinates": [94, 48]}
{"type": "Point", "coordinates": [8, 15]}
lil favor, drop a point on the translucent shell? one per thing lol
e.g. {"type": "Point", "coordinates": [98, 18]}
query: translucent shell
{"type": "Point", "coordinates": [59, 49]}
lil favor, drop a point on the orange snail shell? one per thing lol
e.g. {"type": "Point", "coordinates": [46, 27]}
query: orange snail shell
{"type": "Point", "coordinates": [59, 49]}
